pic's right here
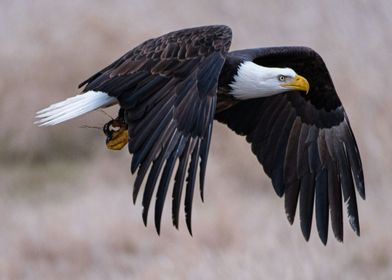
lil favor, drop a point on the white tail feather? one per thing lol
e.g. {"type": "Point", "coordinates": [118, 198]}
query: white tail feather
{"type": "Point", "coordinates": [73, 107]}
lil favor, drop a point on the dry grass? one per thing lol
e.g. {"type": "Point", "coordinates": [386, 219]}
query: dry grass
{"type": "Point", "coordinates": [65, 201]}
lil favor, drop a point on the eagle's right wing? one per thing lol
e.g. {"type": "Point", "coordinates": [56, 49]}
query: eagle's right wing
{"type": "Point", "coordinates": [304, 141]}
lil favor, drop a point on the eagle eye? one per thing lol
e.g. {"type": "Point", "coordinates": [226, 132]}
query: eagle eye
{"type": "Point", "coordinates": [282, 78]}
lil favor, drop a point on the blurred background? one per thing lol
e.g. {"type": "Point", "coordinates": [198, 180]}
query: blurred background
{"type": "Point", "coordinates": [65, 201]}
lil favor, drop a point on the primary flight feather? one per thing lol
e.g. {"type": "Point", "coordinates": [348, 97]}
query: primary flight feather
{"type": "Point", "coordinates": [171, 88]}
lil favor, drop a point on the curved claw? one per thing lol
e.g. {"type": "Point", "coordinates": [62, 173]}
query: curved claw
{"type": "Point", "coordinates": [116, 133]}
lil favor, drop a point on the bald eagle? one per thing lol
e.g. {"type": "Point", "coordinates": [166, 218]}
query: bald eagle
{"type": "Point", "coordinates": [282, 99]}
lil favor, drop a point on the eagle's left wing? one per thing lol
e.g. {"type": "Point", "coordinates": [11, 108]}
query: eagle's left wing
{"type": "Point", "coordinates": [167, 88]}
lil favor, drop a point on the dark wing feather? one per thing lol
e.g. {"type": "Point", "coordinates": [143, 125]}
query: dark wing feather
{"type": "Point", "coordinates": [304, 142]}
{"type": "Point", "coordinates": [167, 87]}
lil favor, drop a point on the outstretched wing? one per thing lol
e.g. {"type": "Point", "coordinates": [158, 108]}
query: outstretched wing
{"type": "Point", "coordinates": [167, 88]}
{"type": "Point", "coordinates": [304, 142]}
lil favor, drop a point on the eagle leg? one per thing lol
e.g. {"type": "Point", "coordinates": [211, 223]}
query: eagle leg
{"type": "Point", "coordinates": [116, 132]}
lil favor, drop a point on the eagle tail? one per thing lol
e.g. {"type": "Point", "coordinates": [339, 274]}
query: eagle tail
{"type": "Point", "coordinates": [73, 107]}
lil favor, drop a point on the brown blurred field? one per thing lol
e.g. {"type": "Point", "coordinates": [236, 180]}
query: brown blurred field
{"type": "Point", "coordinates": [65, 201]}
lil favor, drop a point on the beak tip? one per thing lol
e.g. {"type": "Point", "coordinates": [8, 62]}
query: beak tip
{"type": "Point", "coordinates": [299, 83]}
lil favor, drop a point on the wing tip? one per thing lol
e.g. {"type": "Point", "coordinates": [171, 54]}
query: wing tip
{"type": "Point", "coordinates": [158, 228]}
{"type": "Point", "coordinates": [134, 196]}
{"type": "Point", "coordinates": [145, 215]}
{"type": "Point", "coordinates": [189, 226]}
{"type": "Point", "coordinates": [290, 217]}
{"type": "Point", "coordinates": [323, 235]}
{"type": "Point", "coordinates": [306, 234]}
{"type": "Point", "coordinates": [279, 190]}
{"type": "Point", "coordinates": [306, 229]}
{"type": "Point", "coordinates": [354, 223]}
{"type": "Point", "coordinates": [361, 190]}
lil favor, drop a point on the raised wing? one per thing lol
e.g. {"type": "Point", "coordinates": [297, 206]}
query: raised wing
{"type": "Point", "coordinates": [304, 142]}
{"type": "Point", "coordinates": [167, 87]}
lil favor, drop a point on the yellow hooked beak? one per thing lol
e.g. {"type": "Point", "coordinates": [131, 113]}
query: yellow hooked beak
{"type": "Point", "coordinates": [298, 83]}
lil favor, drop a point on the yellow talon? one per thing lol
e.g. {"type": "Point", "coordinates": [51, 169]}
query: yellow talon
{"type": "Point", "coordinates": [118, 141]}
{"type": "Point", "coordinates": [116, 132]}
